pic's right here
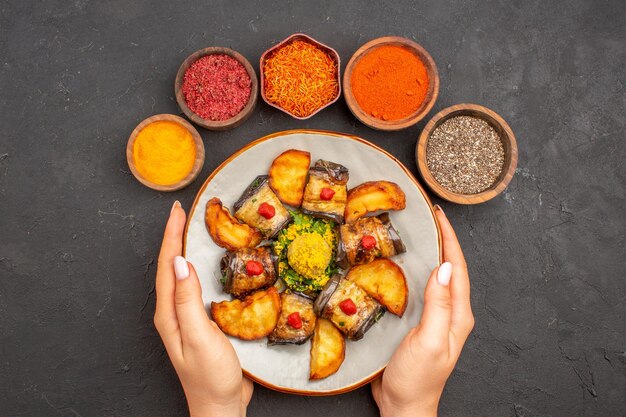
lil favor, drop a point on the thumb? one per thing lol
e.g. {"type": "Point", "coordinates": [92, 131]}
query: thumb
{"type": "Point", "coordinates": [192, 317]}
{"type": "Point", "coordinates": [434, 326]}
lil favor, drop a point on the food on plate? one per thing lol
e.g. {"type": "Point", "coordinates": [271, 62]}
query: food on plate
{"type": "Point", "coordinates": [348, 307]}
{"type": "Point", "coordinates": [326, 191]}
{"type": "Point", "coordinates": [246, 270]}
{"type": "Point", "coordinates": [226, 231]}
{"type": "Point", "coordinates": [309, 250]}
{"type": "Point", "coordinates": [368, 238]}
{"type": "Point", "coordinates": [328, 350]}
{"type": "Point", "coordinates": [296, 321]}
{"type": "Point", "coordinates": [306, 251]}
{"type": "Point", "coordinates": [288, 176]}
{"type": "Point", "coordinates": [259, 207]}
{"type": "Point", "coordinates": [373, 196]}
{"type": "Point", "coordinates": [383, 280]}
{"type": "Point", "coordinates": [252, 318]}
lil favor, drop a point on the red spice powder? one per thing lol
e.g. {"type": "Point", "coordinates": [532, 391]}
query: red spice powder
{"type": "Point", "coordinates": [216, 87]}
{"type": "Point", "coordinates": [390, 82]}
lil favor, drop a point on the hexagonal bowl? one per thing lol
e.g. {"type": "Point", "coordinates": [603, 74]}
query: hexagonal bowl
{"type": "Point", "coordinates": [300, 36]}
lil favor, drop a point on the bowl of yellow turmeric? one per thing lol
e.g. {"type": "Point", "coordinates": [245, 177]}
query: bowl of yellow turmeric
{"type": "Point", "coordinates": [165, 152]}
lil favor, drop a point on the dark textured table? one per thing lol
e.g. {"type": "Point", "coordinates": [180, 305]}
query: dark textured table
{"type": "Point", "coordinates": [79, 235]}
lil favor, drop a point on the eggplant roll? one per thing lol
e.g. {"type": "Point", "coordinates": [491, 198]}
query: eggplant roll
{"type": "Point", "coordinates": [351, 251]}
{"type": "Point", "coordinates": [322, 175]}
{"type": "Point", "coordinates": [354, 326]}
{"type": "Point", "coordinates": [247, 208]}
{"type": "Point", "coordinates": [237, 281]}
{"type": "Point", "coordinates": [284, 332]}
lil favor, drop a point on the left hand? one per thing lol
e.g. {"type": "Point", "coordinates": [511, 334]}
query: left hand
{"type": "Point", "coordinates": [202, 355]}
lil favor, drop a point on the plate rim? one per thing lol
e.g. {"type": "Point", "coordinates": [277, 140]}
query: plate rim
{"type": "Point", "coordinates": [271, 136]}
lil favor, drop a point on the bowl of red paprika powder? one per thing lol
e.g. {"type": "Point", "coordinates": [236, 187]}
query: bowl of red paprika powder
{"type": "Point", "coordinates": [216, 88]}
{"type": "Point", "coordinates": [391, 83]}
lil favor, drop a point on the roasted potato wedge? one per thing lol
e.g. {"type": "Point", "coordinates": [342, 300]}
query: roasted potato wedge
{"type": "Point", "coordinates": [253, 318]}
{"type": "Point", "coordinates": [373, 196]}
{"type": "Point", "coordinates": [328, 350]}
{"type": "Point", "coordinates": [226, 231]}
{"type": "Point", "coordinates": [384, 281]}
{"type": "Point", "coordinates": [288, 175]}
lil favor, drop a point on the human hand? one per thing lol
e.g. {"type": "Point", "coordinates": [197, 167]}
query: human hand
{"type": "Point", "coordinates": [413, 381]}
{"type": "Point", "coordinates": [202, 355]}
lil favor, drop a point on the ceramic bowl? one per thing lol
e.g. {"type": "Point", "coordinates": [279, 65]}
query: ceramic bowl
{"type": "Point", "coordinates": [431, 94]}
{"type": "Point", "coordinates": [198, 163]}
{"type": "Point", "coordinates": [508, 141]}
{"type": "Point", "coordinates": [300, 36]}
{"type": "Point", "coordinates": [234, 121]}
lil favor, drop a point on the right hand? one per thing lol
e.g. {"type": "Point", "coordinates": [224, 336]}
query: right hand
{"type": "Point", "coordinates": [414, 379]}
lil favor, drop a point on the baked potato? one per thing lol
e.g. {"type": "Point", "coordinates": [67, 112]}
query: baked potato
{"type": "Point", "coordinates": [226, 231]}
{"type": "Point", "coordinates": [252, 318]}
{"type": "Point", "coordinates": [288, 175]}
{"type": "Point", "coordinates": [328, 350]}
{"type": "Point", "coordinates": [373, 196]}
{"type": "Point", "coordinates": [383, 280]}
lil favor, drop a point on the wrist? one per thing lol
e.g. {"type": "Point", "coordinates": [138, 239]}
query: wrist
{"type": "Point", "coordinates": [217, 411]}
{"type": "Point", "coordinates": [408, 413]}
{"type": "Point", "coordinates": [412, 410]}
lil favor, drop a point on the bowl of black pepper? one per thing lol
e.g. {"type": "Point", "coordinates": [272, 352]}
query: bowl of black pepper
{"type": "Point", "coordinates": [467, 154]}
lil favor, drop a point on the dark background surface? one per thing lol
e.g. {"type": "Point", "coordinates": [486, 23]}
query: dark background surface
{"type": "Point", "coordinates": [79, 235]}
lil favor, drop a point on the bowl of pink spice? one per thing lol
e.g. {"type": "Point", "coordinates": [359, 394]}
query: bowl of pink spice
{"type": "Point", "coordinates": [216, 88]}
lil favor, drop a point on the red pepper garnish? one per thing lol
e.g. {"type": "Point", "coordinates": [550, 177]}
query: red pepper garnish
{"type": "Point", "coordinates": [254, 268]}
{"type": "Point", "coordinates": [327, 194]}
{"type": "Point", "coordinates": [266, 210]}
{"type": "Point", "coordinates": [368, 242]}
{"type": "Point", "coordinates": [348, 306]}
{"type": "Point", "coordinates": [294, 320]}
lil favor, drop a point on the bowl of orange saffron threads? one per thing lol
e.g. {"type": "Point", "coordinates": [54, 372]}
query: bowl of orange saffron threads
{"type": "Point", "coordinates": [216, 88]}
{"type": "Point", "coordinates": [391, 83]}
{"type": "Point", "coordinates": [165, 152]}
{"type": "Point", "coordinates": [300, 76]}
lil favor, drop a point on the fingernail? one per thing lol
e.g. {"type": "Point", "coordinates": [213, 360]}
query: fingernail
{"type": "Point", "coordinates": [176, 204]}
{"type": "Point", "coordinates": [444, 274]}
{"type": "Point", "coordinates": [438, 207]}
{"type": "Point", "coordinates": [181, 268]}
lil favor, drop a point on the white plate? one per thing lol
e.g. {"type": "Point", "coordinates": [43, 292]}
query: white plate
{"type": "Point", "coordinates": [286, 368]}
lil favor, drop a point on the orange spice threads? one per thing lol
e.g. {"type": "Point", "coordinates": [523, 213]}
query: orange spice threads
{"type": "Point", "coordinates": [390, 82]}
{"type": "Point", "coordinates": [300, 78]}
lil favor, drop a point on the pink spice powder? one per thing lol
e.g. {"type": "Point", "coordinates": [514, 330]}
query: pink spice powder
{"type": "Point", "coordinates": [216, 87]}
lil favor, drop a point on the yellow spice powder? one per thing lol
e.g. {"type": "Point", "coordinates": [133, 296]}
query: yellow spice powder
{"type": "Point", "coordinates": [164, 152]}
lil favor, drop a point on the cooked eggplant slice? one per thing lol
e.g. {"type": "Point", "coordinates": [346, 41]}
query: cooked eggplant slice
{"type": "Point", "coordinates": [330, 304]}
{"type": "Point", "coordinates": [366, 239]}
{"type": "Point", "coordinates": [239, 278]}
{"type": "Point", "coordinates": [326, 192]}
{"type": "Point", "coordinates": [251, 208]}
{"type": "Point", "coordinates": [296, 322]}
